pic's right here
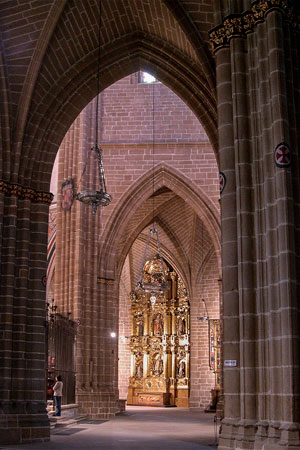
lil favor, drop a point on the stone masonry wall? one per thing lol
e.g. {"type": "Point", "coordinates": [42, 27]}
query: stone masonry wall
{"type": "Point", "coordinates": [127, 140]}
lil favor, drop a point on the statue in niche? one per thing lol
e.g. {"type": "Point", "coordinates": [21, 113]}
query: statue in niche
{"type": "Point", "coordinates": [158, 325]}
{"type": "Point", "coordinates": [140, 329]}
{"type": "Point", "coordinates": [158, 365]}
{"type": "Point", "coordinates": [139, 324]}
{"type": "Point", "coordinates": [181, 325]}
{"type": "Point", "coordinates": [181, 369]}
{"type": "Point", "coordinates": [139, 370]}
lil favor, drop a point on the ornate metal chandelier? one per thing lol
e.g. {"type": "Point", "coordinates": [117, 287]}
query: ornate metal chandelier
{"type": "Point", "coordinates": [96, 197]}
{"type": "Point", "coordinates": [153, 275]}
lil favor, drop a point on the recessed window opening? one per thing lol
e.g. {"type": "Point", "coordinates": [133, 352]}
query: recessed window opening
{"type": "Point", "coordinates": [146, 78]}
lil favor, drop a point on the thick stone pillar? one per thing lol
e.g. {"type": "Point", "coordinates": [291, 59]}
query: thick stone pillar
{"type": "Point", "coordinates": [78, 289]}
{"type": "Point", "coordinates": [257, 59]}
{"type": "Point", "coordinates": [23, 249]}
{"type": "Point", "coordinates": [231, 335]}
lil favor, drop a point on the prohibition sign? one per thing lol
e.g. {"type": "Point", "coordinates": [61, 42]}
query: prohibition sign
{"type": "Point", "coordinates": [222, 180]}
{"type": "Point", "coordinates": [282, 155]}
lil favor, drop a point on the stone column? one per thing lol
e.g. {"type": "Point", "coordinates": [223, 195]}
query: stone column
{"type": "Point", "coordinates": [278, 211]}
{"type": "Point", "coordinates": [78, 289]}
{"type": "Point", "coordinates": [23, 250]}
{"type": "Point", "coordinates": [257, 58]}
{"type": "Point", "coordinates": [245, 233]}
{"type": "Point", "coordinates": [229, 239]}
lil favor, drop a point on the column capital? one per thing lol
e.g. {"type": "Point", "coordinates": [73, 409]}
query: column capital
{"type": "Point", "coordinates": [25, 192]}
{"type": "Point", "coordinates": [239, 25]}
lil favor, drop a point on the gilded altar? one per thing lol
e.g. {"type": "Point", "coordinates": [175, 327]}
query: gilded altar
{"type": "Point", "coordinates": [160, 346]}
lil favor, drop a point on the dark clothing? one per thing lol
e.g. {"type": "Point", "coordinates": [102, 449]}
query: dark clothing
{"type": "Point", "coordinates": [58, 405]}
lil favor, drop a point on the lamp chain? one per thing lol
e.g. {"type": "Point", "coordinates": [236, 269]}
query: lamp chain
{"type": "Point", "coordinates": [97, 97]}
{"type": "Point", "coordinates": [92, 196]}
{"type": "Point", "coordinates": [98, 72]}
{"type": "Point", "coordinates": [153, 288]}
{"type": "Point", "coordinates": [83, 172]}
{"type": "Point", "coordinates": [153, 150]}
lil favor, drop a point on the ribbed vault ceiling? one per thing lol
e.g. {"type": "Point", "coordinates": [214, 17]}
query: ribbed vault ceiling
{"type": "Point", "coordinates": [185, 242]}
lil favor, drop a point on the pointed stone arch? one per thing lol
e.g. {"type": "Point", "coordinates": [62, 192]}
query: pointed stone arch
{"type": "Point", "coordinates": [60, 106]}
{"type": "Point", "coordinates": [165, 252]}
{"type": "Point", "coordinates": [111, 261]}
{"type": "Point", "coordinates": [168, 256]}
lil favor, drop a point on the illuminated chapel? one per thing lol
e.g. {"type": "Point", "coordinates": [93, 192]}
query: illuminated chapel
{"type": "Point", "coordinates": [149, 195]}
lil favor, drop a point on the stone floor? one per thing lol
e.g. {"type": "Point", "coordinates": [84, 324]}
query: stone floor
{"type": "Point", "coordinates": [139, 428]}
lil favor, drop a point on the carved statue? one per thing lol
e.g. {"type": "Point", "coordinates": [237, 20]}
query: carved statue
{"type": "Point", "coordinates": [139, 370]}
{"type": "Point", "coordinates": [140, 329]}
{"type": "Point", "coordinates": [181, 325]}
{"type": "Point", "coordinates": [181, 371]}
{"type": "Point", "coordinates": [158, 325]}
{"type": "Point", "coordinates": [158, 365]}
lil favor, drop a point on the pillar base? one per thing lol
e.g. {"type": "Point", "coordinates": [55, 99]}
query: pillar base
{"type": "Point", "coordinates": [244, 435]}
{"type": "Point", "coordinates": [23, 422]}
{"type": "Point", "coordinates": [99, 405]}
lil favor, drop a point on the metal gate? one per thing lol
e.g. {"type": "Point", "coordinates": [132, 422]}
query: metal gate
{"type": "Point", "coordinates": [61, 344]}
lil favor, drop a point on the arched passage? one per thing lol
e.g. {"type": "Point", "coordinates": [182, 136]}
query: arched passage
{"type": "Point", "coordinates": [164, 176]}
{"type": "Point", "coordinates": [202, 265]}
{"type": "Point", "coordinates": [55, 101]}
{"type": "Point", "coordinates": [190, 195]}
{"type": "Point", "coordinates": [256, 51]}
{"type": "Point", "coordinates": [40, 102]}
{"type": "Point", "coordinates": [60, 110]}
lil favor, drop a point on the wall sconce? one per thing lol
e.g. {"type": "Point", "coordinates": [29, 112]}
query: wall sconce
{"type": "Point", "coordinates": [113, 334]}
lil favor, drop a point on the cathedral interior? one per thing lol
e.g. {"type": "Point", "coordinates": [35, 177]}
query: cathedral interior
{"type": "Point", "coordinates": [149, 211]}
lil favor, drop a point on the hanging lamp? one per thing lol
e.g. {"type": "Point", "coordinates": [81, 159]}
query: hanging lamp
{"type": "Point", "coordinates": [96, 197]}
{"type": "Point", "coordinates": [152, 275]}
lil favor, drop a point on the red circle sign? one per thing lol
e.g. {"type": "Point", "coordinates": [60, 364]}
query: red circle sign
{"type": "Point", "coordinates": [282, 155]}
{"type": "Point", "coordinates": [222, 180]}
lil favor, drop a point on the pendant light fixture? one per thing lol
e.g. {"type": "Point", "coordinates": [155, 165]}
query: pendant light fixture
{"type": "Point", "coordinates": [152, 276]}
{"type": "Point", "coordinates": [96, 197]}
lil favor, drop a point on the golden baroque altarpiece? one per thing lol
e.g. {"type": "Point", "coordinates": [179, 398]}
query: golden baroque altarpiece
{"type": "Point", "coordinates": [160, 345]}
